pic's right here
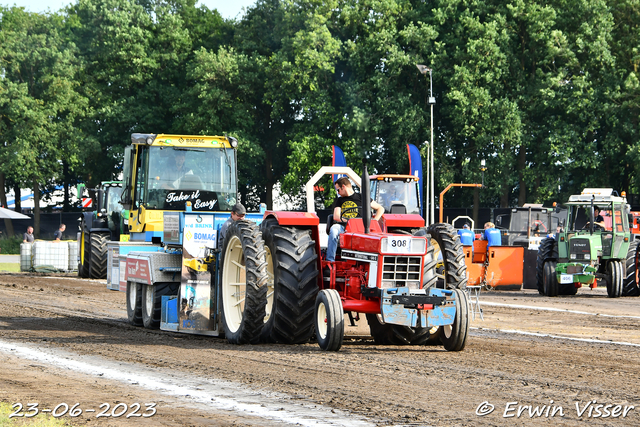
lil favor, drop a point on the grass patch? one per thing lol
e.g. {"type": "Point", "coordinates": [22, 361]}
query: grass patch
{"type": "Point", "coordinates": [11, 267]}
{"type": "Point", "coordinates": [10, 245]}
{"type": "Point", "coordinates": [40, 420]}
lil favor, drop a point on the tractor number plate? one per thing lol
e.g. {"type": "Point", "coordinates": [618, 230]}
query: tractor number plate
{"type": "Point", "coordinates": [399, 244]}
{"type": "Point", "coordinates": [566, 278]}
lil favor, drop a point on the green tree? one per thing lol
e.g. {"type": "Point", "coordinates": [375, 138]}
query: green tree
{"type": "Point", "coordinates": [522, 83]}
{"type": "Point", "coordinates": [39, 100]}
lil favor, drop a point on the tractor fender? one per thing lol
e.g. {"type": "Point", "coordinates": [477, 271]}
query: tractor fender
{"type": "Point", "coordinates": [305, 219]}
{"type": "Point", "coordinates": [85, 221]}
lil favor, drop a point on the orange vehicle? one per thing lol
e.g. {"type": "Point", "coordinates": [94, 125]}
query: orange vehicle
{"type": "Point", "coordinates": [634, 224]}
{"type": "Point", "coordinates": [498, 267]}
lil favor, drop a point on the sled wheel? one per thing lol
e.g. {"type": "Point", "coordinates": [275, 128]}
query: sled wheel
{"type": "Point", "coordinates": [134, 303]}
{"type": "Point", "coordinates": [152, 302]}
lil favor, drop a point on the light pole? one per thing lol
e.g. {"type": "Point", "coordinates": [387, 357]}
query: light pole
{"type": "Point", "coordinates": [432, 100]}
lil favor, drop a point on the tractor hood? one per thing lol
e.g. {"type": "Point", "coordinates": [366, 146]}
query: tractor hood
{"type": "Point", "coordinates": [355, 239]}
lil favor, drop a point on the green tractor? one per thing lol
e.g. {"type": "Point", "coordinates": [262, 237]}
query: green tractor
{"type": "Point", "coordinates": [99, 227]}
{"type": "Point", "coordinates": [590, 248]}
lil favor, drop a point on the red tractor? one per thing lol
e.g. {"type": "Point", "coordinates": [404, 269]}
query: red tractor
{"type": "Point", "coordinates": [391, 278]}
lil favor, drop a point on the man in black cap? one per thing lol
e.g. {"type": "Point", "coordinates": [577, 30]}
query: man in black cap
{"type": "Point", "coordinates": [237, 212]}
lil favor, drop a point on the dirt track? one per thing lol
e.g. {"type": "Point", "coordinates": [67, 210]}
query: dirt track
{"type": "Point", "coordinates": [382, 385]}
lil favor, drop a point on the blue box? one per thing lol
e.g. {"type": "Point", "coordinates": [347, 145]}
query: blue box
{"type": "Point", "coordinates": [169, 309]}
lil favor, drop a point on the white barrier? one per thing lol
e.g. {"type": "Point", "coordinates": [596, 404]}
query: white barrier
{"type": "Point", "coordinates": [25, 256]}
{"type": "Point", "coordinates": [73, 256]}
{"type": "Point", "coordinates": [61, 255]}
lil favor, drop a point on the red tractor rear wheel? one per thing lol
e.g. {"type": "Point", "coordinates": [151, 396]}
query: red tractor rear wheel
{"type": "Point", "coordinates": [448, 251]}
{"type": "Point", "coordinates": [292, 289]}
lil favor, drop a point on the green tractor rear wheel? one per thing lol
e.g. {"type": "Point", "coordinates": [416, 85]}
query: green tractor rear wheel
{"type": "Point", "coordinates": [615, 279]}
{"type": "Point", "coordinates": [549, 279]}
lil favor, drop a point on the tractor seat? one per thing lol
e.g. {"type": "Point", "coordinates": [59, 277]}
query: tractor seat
{"type": "Point", "coordinates": [398, 209]}
{"type": "Point", "coordinates": [329, 223]}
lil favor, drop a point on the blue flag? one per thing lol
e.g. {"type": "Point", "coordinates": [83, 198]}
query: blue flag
{"type": "Point", "coordinates": [415, 168]}
{"type": "Point", "coordinates": [338, 160]}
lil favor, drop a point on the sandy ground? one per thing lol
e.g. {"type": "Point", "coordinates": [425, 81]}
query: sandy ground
{"type": "Point", "coordinates": [530, 352]}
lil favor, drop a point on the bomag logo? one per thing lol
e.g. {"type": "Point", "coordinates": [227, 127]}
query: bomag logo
{"type": "Point", "coordinates": [191, 140]}
{"type": "Point", "coordinates": [349, 209]}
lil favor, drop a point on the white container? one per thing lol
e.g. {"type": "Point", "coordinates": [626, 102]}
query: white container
{"type": "Point", "coordinates": [73, 257]}
{"type": "Point", "coordinates": [25, 256]}
{"type": "Point", "coordinates": [55, 254]}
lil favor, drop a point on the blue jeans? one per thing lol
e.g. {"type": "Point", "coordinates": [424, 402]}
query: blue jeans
{"type": "Point", "coordinates": [332, 243]}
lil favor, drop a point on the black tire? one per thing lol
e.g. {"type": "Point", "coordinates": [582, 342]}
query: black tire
{"type": "Point", "coordinates": [568, 289]}
{"type": "Point", "coordinates": [615, 278]}
{"type": "Point", "coordinates": [630, 286]}
{"type": "Point", "coordinates": [548, 250]}
{"type": "Point", "coordinates": [329, 320]}
{"type": "Point", "coordinates": [243, 258]}
{"type": "Point", "coordinates": [134, 303]}
{"type": "Point", "coordinates": [387, 334]}
{"type": "Point", "coordinates": [98, 262]}
{"type": "Point", "coordinates": [454, 275]}
{"type": "Point", "coordinates": [429, 276]}
{"type": "Point", "coordinates": [152, 302]}
{"type": "Point", "coordinates": [434, 336]}
{"type": "Point", "coordinates": [549, 279]}
{"type": "Point", "coordinates": [454, 336]}
{"type": "Point", "coordinates": [85, 250]}
{"type": "Point", "coordinates": [293, 265]}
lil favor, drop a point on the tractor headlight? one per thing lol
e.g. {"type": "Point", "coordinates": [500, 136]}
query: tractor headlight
{"type": "Point", "coordinates": [587, 256]}
{"type": "Point", "coordinates": [418, 246]}
{"type": "Point", "coordinates": [574, 256]}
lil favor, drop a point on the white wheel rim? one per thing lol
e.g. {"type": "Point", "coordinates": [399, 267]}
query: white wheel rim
{"type": "Point", "coordinates": [148, 300]}
{"type": "Point", "coordinates": [436, 251]}
{"type": "Point", "coordinates": [234, 284]}
{"type": "Point", "coordinates": [321, 321]}
{"type": "Point", "coordinates": [132, 287]}
{"type": "Point", "coordinates": [270, 283]}
{"type": "Point", "coordinates": [447, 330]}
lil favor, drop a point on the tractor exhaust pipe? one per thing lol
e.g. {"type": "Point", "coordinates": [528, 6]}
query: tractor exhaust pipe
{"type": "Point", "coordinates": [366, 198]}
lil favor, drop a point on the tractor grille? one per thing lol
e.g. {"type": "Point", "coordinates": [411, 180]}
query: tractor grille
{"type": "Point", "coordinates": [579, 249]}
{"type": "Point", "coordinates": [399, 271]}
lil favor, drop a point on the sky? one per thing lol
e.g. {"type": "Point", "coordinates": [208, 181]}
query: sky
{"type": "Point", "coordinates": [227, 8]}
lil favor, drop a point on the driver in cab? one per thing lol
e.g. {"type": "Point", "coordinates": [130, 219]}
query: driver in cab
{"type": "Point", "coordinates": [175, 173]}
{"type": "Point", "coordinates": [598, 220]}
{"type": "Point", "coordinates": [348, 205]}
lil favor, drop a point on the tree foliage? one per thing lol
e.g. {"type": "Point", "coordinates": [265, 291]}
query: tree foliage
{"type": "Point", "coordinates": [547, 93]}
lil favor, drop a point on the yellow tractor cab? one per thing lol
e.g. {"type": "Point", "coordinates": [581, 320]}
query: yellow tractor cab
{"type": "Point", "coordinates": [176, 173]}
